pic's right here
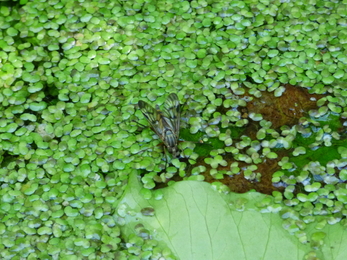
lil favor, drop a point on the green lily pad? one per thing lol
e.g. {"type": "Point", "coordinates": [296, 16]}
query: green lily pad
{"type": "Point", "coordinates": [197, 222]}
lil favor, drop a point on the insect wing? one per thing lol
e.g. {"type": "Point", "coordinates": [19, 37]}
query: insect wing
{"type": "Point", "coordinates": [172, 112]}
{"type": "Point", "coordinates": [153, 117]}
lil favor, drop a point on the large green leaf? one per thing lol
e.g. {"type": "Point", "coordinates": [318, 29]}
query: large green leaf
{"type": "Point", "coordinates": [197, 222]}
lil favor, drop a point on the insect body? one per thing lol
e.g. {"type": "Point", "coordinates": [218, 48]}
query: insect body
{"type": "Point", "coordinates": [165, 122]}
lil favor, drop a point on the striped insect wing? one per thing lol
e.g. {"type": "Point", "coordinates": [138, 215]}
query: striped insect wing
{"type": "Point", "coordinates": [172, 112]}
{"type": "Point", "coordinates": [147, 110]}
{"type": "Point", "coordinates": [152, 117]}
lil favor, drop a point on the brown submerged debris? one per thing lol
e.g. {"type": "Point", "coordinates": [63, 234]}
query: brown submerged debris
{"type": "Point", "coordinates": [294, 103]}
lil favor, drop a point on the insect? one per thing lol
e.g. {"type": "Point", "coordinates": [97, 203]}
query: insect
{"type": "Point", "coordinates": [165, 122]}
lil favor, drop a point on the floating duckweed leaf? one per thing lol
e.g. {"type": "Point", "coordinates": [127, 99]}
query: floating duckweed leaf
{"type": "Point", "coordinates": [299, 150]}
{"type": "Point", "coordinates": [29, 117]}
{"type": "Point", "coordinates": [176, 162]}
{"type": "Point", "coordinates": [343, 175]}
{"type": "Point", "coordinates": [255, 117]}
{"type": "Point", "coordinates": [35, 87]}
{"type": "Point", "coordinates": [85, 98]}
{"type": "Point", "coordinates": [194, 129]}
